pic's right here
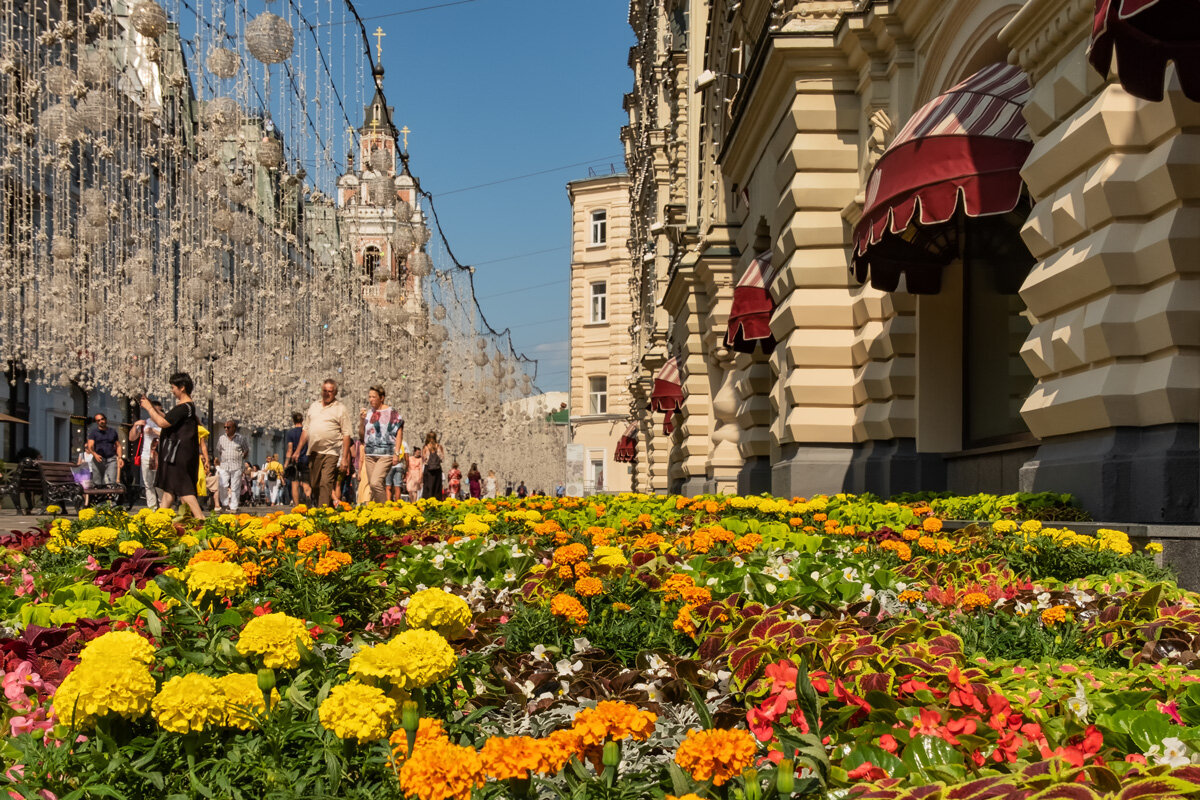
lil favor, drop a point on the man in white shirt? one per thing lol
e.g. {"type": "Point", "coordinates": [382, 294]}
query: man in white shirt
{"type": "Point", "coordinates": [149, 432]}
{"type": "Point", "coordinates": [231, 462]}
{"type": "Point", "coordinates": [327, 432]}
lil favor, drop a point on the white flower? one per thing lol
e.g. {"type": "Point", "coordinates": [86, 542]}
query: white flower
{"type": "Point", "coordinates": [565, 667]}
{"type": "Point", "coordinates": [901, 587]}
{"type": "Point", "coordinates": [771, 588]}
{"type": "Point", "coordinates": [686, 566]}
{"type": "Point", "coordinates": [712, 582]}
{"type": "Point", "coordinates": [539, 653]}
{"type": "Point", "coordinates": [526, 689]}
{"type": "Point", "coordinates": [438, 560]}
{"type": "Point", "coordinates": [655, 665]}
{"type": "Point", "coordinates": [1171, 752]}
{"type": "Point", "coordinates": [868, 593]}
{"type": "Point", "coordinates": [1078, 704]}
{"type": "Point", "coordinates": [850, 574]}
{"type": "Point", "coordinates": [515, 552]}
{"type": "Point", "coordinates": [653, 693]}
{"type": "Point", "coordinates": [581, 644]}
{"type": "Point", "coordinates": [1023, 608]}
{"type": "Point", "coordinates": [510, 576]}
{"type": "Point", "coordinates": [816, 576]}
{"type": "Point", "coordinates": [806, 617]}
{"type": "Point", "coordinates": [738, 561]}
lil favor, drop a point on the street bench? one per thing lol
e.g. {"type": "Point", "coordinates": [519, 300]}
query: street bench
{"type": "Point", "coordinates": [55, 482]}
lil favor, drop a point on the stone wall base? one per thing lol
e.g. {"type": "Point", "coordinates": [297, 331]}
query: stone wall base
{"type": "Point", "coordinates": [690, 487]}
{"type": "Point", "coordinates": [892, 466]}
{"type": "Point", "coordinates": [1149, 475]}
{"type": "Point", "coordinates": [994, 472]}
{"type": "Point", "coordinates": [755, 476]}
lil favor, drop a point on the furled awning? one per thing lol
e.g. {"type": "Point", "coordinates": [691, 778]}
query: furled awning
{"type": "Point", "coordinates": [750, 315]}
{"type": "Point", "coordinates": [627, 445]}
{"type": "Point", "coordinates": [960, 153]}
{"type": "Point", "coordinates": [1145, 35]}
{"type": "Point", "coordinates": [667, 394]}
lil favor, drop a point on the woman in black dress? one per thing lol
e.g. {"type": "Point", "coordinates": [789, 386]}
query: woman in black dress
{"type": "Point", "coordinates": [178, 447]}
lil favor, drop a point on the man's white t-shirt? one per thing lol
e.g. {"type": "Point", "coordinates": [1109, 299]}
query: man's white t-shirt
{"type": "Point", "coordinates": [150, 434]}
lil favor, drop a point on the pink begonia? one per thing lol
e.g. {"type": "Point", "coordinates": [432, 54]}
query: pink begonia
{"type": "Point", "coordinates": [16, 773]}
{"type": "Point", "coordinates": [92, 565]}
{"type": "Point", "coordinates": [27, 586]}
{"type": "Point", "coordinates": [16, 684]}
{"type": "Point", "coordinates": [392, 617]}
{"type": "Point", "coordinates": [36, 721]}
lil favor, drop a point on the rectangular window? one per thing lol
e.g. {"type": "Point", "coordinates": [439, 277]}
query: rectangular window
{"type": "Point", "coordinates": [600, 301]}
{"type": "Point", "coordinates": [599, 227]}
{"type": "Point", "coordinates": [598, 395]}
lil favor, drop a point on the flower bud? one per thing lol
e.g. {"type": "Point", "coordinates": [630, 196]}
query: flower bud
{"type": "Point", "coordinates": [785, 778]}
{"type": "Point", "coordinates": [266, 679]}
{"type": "Point", "coordinates": [410, 715]}
{"type": "Point", "coordinates": [612, 754]}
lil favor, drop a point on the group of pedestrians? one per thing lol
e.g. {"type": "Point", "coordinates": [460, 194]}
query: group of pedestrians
{"type": "Point", "coordinates": [328, 458]}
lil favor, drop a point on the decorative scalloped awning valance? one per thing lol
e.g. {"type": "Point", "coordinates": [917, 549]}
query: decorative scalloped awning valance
{"type": "Point", "coordinates": [627, 445]}
{"type": "Point", "coordinates": [667, 394]}
{"type": "Point", "coordinates": [1145, 35]}
{"type": "Point", "coordinates": [961, 153]}
{"type": "Point", "coordinates": [750, 315]}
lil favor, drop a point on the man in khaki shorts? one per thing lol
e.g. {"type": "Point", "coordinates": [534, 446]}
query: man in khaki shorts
{"type": "Point", "coordinates": [327, 432]}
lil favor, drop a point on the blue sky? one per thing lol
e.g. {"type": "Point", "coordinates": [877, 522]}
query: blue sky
{"type": "Point", "coordinates": [492, 90]}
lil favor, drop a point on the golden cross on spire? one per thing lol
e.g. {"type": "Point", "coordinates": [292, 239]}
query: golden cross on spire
{"type": "Point", "coordinates": [405, 132]}
{"type": "Point", "coordinates": [379, 34]}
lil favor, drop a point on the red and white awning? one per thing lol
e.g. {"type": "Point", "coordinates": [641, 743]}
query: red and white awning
{"type": "Point", "coordinates": [627, 445]}
{"type": "Point", "coordinates": [750, 315]}
{"type": "Point", "coordinates": [667, 394]}
{"type": "Point", "coordinates": [964, 150]}
{"type": "Point", "coordinates": [1145, 35]}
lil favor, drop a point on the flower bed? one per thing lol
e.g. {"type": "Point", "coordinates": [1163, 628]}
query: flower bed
{"type": "Point", "coordinates": [631, 647]}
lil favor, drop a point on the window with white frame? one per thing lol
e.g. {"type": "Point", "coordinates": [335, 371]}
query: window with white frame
{"type": "Point", "coordinates": [372, 259]}
{"type": "Point", "coordinates": [600, 301]}
{"type": "Point", "coordinates": [598, 395]}
{"type": "Point", "coordinates": [599, 226]}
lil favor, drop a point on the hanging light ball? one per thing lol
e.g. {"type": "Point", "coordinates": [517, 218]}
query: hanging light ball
{"type": "Point", "coordinates": [94, 66]}
{"type": "Point", "coordinates": [380, 160]}
{"type": "Point", "coordinates": [223, 62]}
{"type": "Point", "coordinates": [423, 235]}
{"type": "Point", "coordinates": [222, 115]}
{"type": "Point", "coordinates": [143, 349]}
{"type": "Point", "coordinates": [222, 220]}
{"type": "Point", "coordinates": [481, 359]}
{"type": "Point", "coordinates": [439, 312]}
{"type": "Point", "coordinates": [270, 38]}
{"type": "Point", "coordinates": [403, 210]}
{"type": "Point", "coordinates": [60, 121]}
{"type": "Point", "coordinates": [62, 248]}
{"type": "Point", "coordinates": [392, 290]}
{"type": "Point", "coordinates": [270, 153]}
{"type": "Point", "coordinates": [420, 264]}
{"type": "Point", "coordinates": [195, 288]}
{"type": "Point", "coordinates": [381, 190]}
{"type": "Point", "coordinates": [98, 111]}
{"type": "Point", "coordinates": [149, 19]}
{"type": "Point", "coordinates": [93, 200]}
{"type": "Point", "coordinates": [403, 240]}
{"type": "Point", "coordinates": [481, 343]}
{"type": "Point", "coordinates": [60, 81]}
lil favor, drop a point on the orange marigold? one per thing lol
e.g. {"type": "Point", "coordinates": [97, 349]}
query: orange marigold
{"type": "Point", "coordinates": [1054, 615]}
{"type": "Point", "coordinates": [570, 553]}
{"type": "Point", "coordinates": [224, 543]}
{"type": "Point", "coordinates": [565, 572]}
{"type": "Point", "coordinates": [252, 571]}
{"type": "Point", "coordinates": [931, 524]}
{"type": "Point", "coordinates": [583, 569]}
{"type": "Point", "coordinates": [440, 770]}
{"type": "Point", "coordinates": [717, 755]}
{"type": "Point", "coordinates": [910, 596]}
{"type": "Point", "coordinates": [819, 517]}
{"type": "Point", "coordinates": [589, 587]}
{"type": "Point", "coordinates": [615, 720]}
{"type": "Point", "coordinates": [974, 600]}
{"type": "Point", "coordinates": [696, 595]}
{"type": "Point", "coordinates": [796, 522]}
{"type": "Point", "coordinates": [206, 555]}
{"type": "Point", "coordinates": [428, 730]}
{"type": "Point", "coordinates": [673, 586]}
{"type": "Point", "coordinates": [563, 605]}
{"type": "Point", "coordinates": [621, 607]}
{"type": "Point", "coordinates": [747, 543]}
{"type": "Point", "coordinates": [331, 562]}
{"type": "Point", "coordinates": [510, 757]}
{"type": "Point", "coordinates": [910, 534]}
{"type": "Point", "coordinates": [315, 542]}
{"type": "Point", "coordinates": [649, 541]}
{"type": "Point", "coordinates": [560, 746]}
{"type": "Point", "coordinates": [684, 623]}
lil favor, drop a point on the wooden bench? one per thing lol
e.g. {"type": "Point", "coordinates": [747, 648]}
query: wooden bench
{"type": "Point", "coordinates": [55, 482]}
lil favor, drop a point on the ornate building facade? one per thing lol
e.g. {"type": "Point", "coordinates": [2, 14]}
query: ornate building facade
{"type": "Point", "coordinates": [890, 245]}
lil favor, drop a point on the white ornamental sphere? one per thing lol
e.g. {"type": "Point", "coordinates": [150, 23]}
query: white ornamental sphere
{"type": "Point", "coordinates": [62, 248]}
{"type": "Point", "coordinates": [481, 359]}
{"type": "Point", "coordinates": [380, 160]}
{"type": "Point", "coordinates": [195, 288]}
{"type": "Point", "coordinates": [94, 66]}
{"type": "Point", "coordinates": [403, 210]}
{"type": "Point", "coordinates": [222, 220]}
{"type": "Point", "coordinates": [403, 240]}
{"type": "Point", "coordinates": [97, 112]}
{"type": "Point", "coordinates": [270, 153]}
{"type": "Point", "coordinates": [481, 343]}
{"type": "Point", "coordinates": [270, 38]}
{"type": "Point", "coordinates": [93, 200]}
{"type": "Point", "coordinates": [149, 19]}
{"type": "Point", "coordinates": [419, 264]}
{"type": "Point", "coordinates": [381, 190]}
{"type": "Point", "coordinates": [439, 312]}
{"type": "Point", "coordinates": [60, 81]}
{"type": "Point", "coordinates": [222, 115]}
{"type": "Point", "coordinates": [60, 121]}
{"type": "Point", "coordinates": [223, 62]}
{"type": "Point", "coordinates": [143, 349]}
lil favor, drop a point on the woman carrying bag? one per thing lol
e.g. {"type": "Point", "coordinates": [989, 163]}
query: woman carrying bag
{"type": "Point", "coordinates": [434, 453]}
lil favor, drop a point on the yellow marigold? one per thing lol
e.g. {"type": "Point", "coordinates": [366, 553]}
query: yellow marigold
{"type": "Point", "coordinates": [357, 711]}
{"type": "Point", "coordinates": [717, 755]}
{"type": "Point", "coordinates": [570, 553]}
{"type": "Point", "coordinates": [243, 699]}
{"type": "Point", "coordinates": [128, 548]}
{"type": "Point", "coordinates": [413, 659]}
{"type": "Point", "coordinates": [316, 542]}
{"type": "Point", "coordinates": [99, 536]}
{"type": "Point", "coordinates": [188, 703]}
{"type": "Point", "coordinates": [910, 596]}
{"type": "Point", "coordinates": [747, 543]}
{"type": "Point", "coordinates": [589, 587]}
{"type": "Point", "coordinates": [615, 720]}
{"type": "Point", "coordinates": [1031, 526]}
{"type": "Point", "coordinates": [440, 770]}
{"type": "Point", "coordinates": [931, 524]}
{"type": "Point", "coordinates": [609, 556]}
{"type": "Point", "coordinates": [428, 729]}
{"type": "Point", "coordinates": [973, 600]}
{"type": "Point", "coordinates": [119, 686]}
{"type": "Point", "coordinates": [276, 637]}
{"type": "Point", "coordinates": [440, 611]}
{"type": "Point", "coordinates": [207, 555]}
{"type": "Point", "coordinates": [116, 646]}
{"type": "Point", "coordinates": [87, 514]}
{"type": "Point", "coordinates": [563, 605]}
{"type": "Point", "coordinates": [1004, 526]}
{"type": "Point", "coordinates": [218, 578]}
{"type": "Point", "coordinates": [505, 758]}
{"type": "Point", "coordinates": [1154, 547]}
{"type": "Point", "coordinates": [1054, 615]}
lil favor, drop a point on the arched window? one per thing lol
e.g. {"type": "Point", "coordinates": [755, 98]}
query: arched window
{"type": "Point", "coordinates": [371, 261]}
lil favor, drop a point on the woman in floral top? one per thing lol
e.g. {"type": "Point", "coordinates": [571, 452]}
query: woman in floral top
{"type": "Point", "coordinates": [381, 429]}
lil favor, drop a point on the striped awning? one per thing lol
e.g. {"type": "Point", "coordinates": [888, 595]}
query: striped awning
{"type": "Point", "coordinates": [962, 151]}
{"type": "Point", "coordinates": [667, 394]}
{"type": "Point", "coordinates": [1145, 35]}
{"type": "Point", "coordinates": [750, 315]}
{"type": "Point", "coordinates": [627, 445]}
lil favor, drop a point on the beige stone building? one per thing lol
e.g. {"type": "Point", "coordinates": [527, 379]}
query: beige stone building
{"type": "Point", "coordinates": [600, 346]}
{"type": "Point", "coordinates": [977, 249]}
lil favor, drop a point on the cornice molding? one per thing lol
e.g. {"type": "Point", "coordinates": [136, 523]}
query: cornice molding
{"type": "Point", "coordinates": [1043, 29]}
